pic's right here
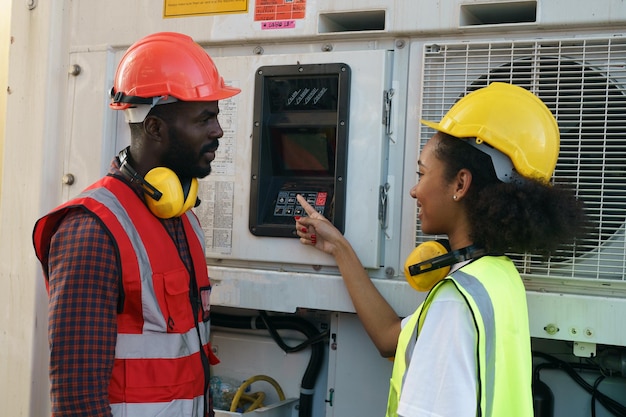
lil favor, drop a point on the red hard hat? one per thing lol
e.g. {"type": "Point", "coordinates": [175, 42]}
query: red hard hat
{"type": "Point", "coordinates": [167, 64]}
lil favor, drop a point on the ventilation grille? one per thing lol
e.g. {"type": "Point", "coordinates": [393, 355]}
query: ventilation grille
{"type": "Point", "coordinates": [583, 82]}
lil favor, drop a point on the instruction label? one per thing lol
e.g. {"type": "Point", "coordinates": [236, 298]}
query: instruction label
{"type": "Point", "coordinates": [216, 215]}
{"type": "Point", "coordinates": [282, 12]}
{"type": "Point", "coordinates": [217, 191]}
{"type": "Point", "coordinates": [182, 8]}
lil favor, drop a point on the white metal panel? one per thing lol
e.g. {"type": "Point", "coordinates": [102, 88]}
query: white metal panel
{"type": "Point", "coordinates": [358, 376]}
{"type": "Point", "coordinates": [503, 16]}
{"type": "Point", "coordinates": [88, 146]}
{"type": "Point", "coordinates": [286, 291]}
{"type": "Point", "coordinates": [578, 318]}
{"type": "Point", "coordinates": [122, 25]}
{"type": "Point", "coordinates": [34, 87]}
{"type": "Point", "coordinates": [366, 150]}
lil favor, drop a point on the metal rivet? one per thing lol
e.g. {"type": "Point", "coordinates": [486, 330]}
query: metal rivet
{"type": "Point", "coordinates": [75, 70]}
{"type": "Point", "coordinates": [68, 179]}
{"type": "Point", "coordinates": [551, 329]}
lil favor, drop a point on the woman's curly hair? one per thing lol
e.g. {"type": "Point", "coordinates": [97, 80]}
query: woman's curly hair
{"type": "Point", "coordinates": [520, 217]}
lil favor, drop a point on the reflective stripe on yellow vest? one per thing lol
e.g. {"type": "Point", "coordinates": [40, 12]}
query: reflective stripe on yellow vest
{"type": "Point", "coordinates": [496, 297]}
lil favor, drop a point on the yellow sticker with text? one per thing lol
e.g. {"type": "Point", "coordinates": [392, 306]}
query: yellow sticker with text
{"type": "Point", "coordinates": [186, 8]}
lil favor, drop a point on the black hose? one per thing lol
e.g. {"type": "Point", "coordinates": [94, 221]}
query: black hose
{"type": "Point", "coordinates": [274, 323]}
{"type": "Point", "coordinates": [611, 405]}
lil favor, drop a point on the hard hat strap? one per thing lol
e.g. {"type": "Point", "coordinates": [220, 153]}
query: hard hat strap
{"type": "Point", "coordinates": [120, 97]}
{"type": "Point", "coordinates": [141, 105]}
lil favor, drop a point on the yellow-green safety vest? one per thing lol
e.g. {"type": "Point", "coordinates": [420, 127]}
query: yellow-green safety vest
{"type": "Point", "coordinates": [496, 297]}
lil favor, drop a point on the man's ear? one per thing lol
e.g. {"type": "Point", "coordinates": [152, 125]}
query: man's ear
{"type": "Point", "coordinates": [153, 126]}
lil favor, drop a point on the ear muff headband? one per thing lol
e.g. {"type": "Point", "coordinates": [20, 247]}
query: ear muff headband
{"type": "Point", "coordinates": [169, 197]}
{"type": "Point", "coordinates": [133, 176]}
{"type": "Point", "coordinates": [430, 262]}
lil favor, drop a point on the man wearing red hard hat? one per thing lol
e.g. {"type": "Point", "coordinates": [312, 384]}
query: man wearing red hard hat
{"type": "Point", "coordinates": [124, 261]}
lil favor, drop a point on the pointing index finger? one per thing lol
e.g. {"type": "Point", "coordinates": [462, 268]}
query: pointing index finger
{"type": "Point", "coordinates": [306, 206]}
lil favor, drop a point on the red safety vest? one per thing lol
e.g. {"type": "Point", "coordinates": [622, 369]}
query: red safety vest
{"type": "Point", "coordinates": [163, 353]}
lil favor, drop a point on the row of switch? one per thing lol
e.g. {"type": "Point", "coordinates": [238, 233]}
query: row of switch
{"type": "Point", "coordinates": [287, 205]}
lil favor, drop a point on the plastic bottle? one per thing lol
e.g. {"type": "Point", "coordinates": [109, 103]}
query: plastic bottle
{"type": "Point", "coordinates": [223, 389]}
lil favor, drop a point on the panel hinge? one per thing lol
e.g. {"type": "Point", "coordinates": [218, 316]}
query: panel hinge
{"type": "Point", "coordinates": [383, 199]}
{"type": "Point", "coordinates": [387, 97]}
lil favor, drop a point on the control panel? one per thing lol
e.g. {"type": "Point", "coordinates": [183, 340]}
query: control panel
{"type": "Point", "coordinates": [299, 145]}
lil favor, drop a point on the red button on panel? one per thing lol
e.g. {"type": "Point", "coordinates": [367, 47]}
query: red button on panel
{"type": "Point", "coordinates": [321, 199]}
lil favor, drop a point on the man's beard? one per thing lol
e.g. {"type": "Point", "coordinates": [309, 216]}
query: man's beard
{"type": "Point", "coordinates": [183, 161]}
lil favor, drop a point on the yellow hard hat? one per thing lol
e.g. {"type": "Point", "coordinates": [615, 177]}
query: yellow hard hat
{"type": "Point", "coordinates": [511, 120]}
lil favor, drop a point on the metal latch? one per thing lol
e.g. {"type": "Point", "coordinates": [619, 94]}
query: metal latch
{"type": "Point", "coordinates": [383, 199]}
{"type": "Point", "coordinates": [387, 96]}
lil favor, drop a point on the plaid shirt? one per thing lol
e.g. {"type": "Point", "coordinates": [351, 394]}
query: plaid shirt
{"type": "Point", "coordinates": [82, 316]}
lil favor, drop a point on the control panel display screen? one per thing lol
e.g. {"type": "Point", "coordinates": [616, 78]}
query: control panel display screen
{"type": "Point", "coordinates": [304, 151]}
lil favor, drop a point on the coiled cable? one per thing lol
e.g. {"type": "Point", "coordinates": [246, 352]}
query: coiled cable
{"type": "Point", "coordinates": [257, 398]}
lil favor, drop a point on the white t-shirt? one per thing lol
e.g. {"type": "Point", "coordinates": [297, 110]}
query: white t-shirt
{"type": "Point", "coordinates": [441, 376]}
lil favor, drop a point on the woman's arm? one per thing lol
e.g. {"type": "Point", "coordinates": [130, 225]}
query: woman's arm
{"type": "Point", "coordinates": [379, 320]}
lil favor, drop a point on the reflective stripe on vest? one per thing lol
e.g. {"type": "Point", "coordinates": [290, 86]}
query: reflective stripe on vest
{"type": "Point", "coordinates": [158, 364]}
{"type": "Point", "coordinates": [480, 301]}
{"type": "Point", "coordinates": [177, 408]}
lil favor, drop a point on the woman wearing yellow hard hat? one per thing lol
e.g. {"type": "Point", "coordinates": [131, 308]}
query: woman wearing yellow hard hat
{"type": "Point", "coordinates": [484, 182]}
